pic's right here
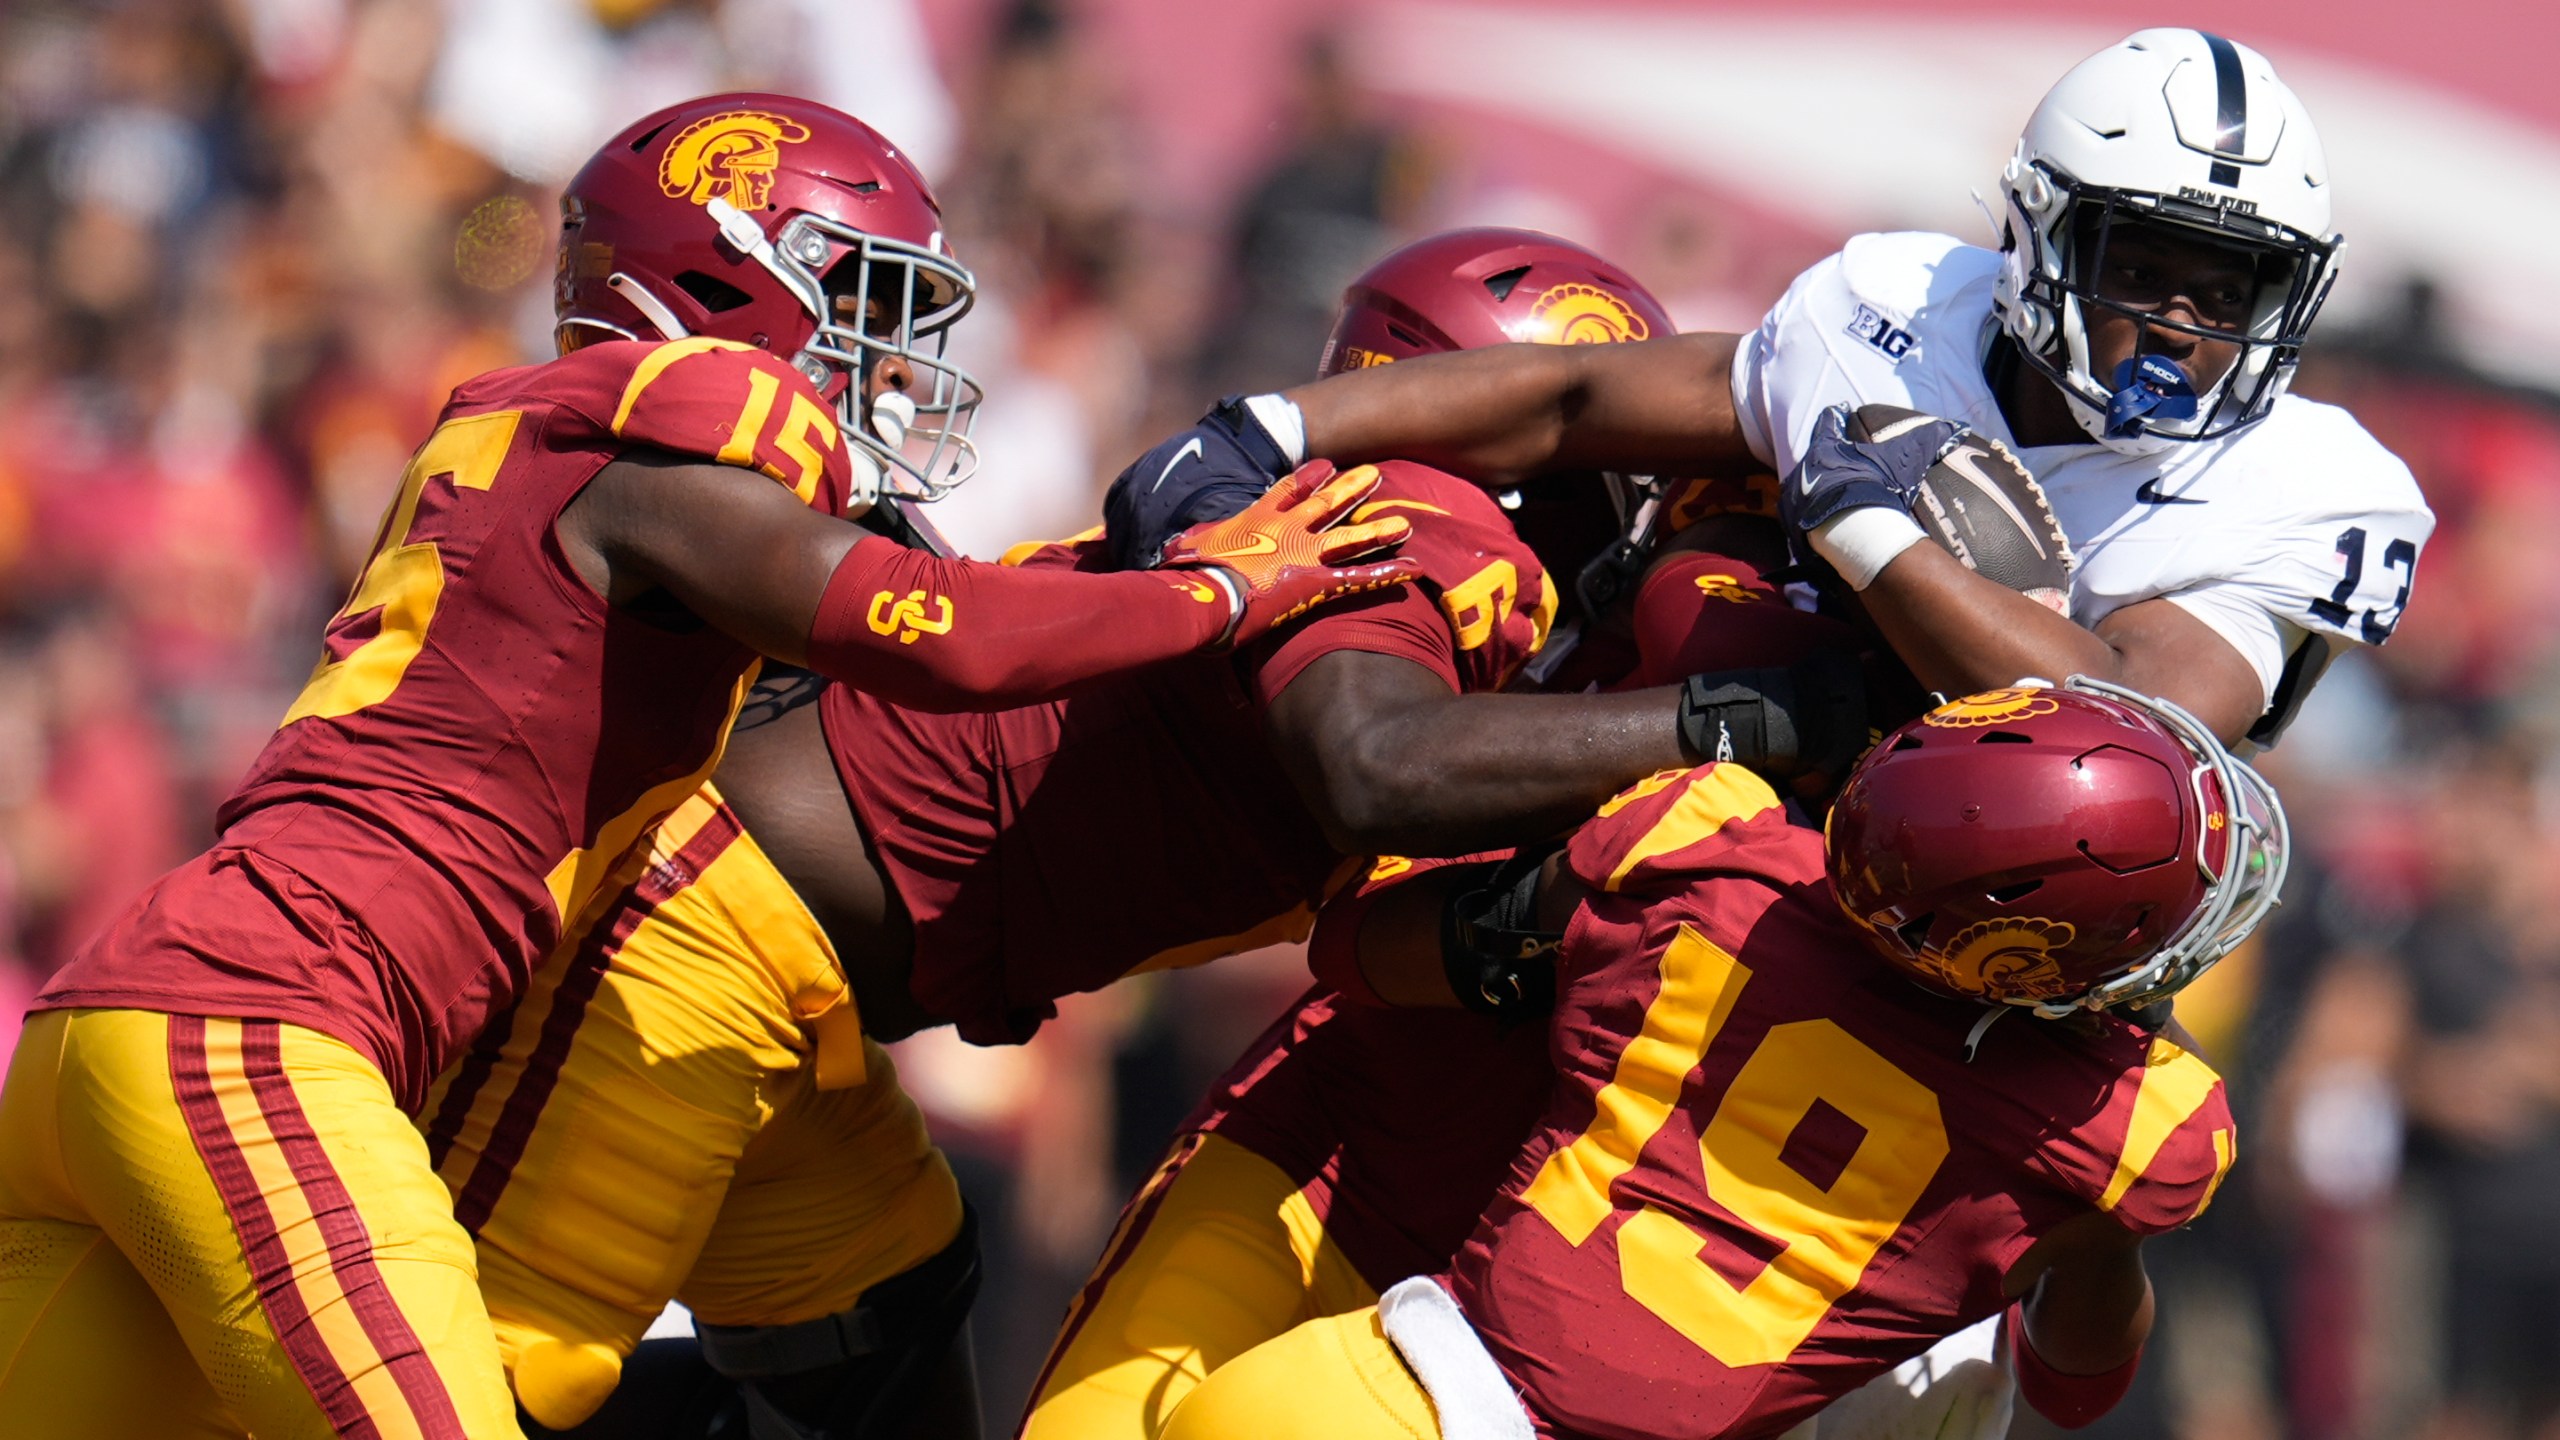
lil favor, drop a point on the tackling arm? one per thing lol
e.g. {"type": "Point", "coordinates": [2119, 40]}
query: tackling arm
{"type": "Point", "coordinates": [1391, 761]}
{"type": "Point", "coordinates": [2084, 1311]}
{"type": "Point", "coordinates": [750, 558]}
{"type": "Point", "coordinates": [1961, 633]}
{"type": "Point", "coordinates": [1504, 413]}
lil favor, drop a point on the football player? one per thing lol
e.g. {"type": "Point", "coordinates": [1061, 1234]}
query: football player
{"type": "Point", "coordinates": [1354, 1145]}
{"type": "Point", "coordinates": [2166, 245]}
{"type": "Point", "coordinates": [207, 1170]}
{"type": "Point", "coordinates": [686, 1105]}
{"type": "Point", "coordinates": [1772, 1167]}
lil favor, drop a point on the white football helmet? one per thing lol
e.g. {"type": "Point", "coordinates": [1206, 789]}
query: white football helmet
{"type": "Point", "coordinates": [2178, 128]}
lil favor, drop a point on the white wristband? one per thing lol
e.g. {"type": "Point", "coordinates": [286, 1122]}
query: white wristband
{"type": "Point", "coordinates": [1862, 542]}
{"type": "Point", "coordinates": [1278, 415]}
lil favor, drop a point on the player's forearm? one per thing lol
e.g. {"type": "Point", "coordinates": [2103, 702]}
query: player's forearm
{"type": "Point", "coordinates": [2089, 1315]}
{"type": "Point", "coordinates": [1503, 413]}
{"type": "Point", "coordinates": [1961, 633]}
{"type": "Point", "coordinates": [1473, 771]}
{"type": "Point", "coordinates": [937, 634]}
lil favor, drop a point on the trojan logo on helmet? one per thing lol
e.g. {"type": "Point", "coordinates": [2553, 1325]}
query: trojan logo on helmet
{"type": "Point", "coordinates": [730, 156]}
{"type": "Point", "coordinates": [1575, 314]}
{"type": "Point", "coordinates": [1992, 707]}
{"type": "Point", "coordinates": [2008, 957]}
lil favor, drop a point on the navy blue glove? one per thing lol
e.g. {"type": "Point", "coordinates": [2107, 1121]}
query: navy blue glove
{"type": "Point", "coordinates": [1208, 472]}
{"type": "Point", "coordinates": [1843, 470]}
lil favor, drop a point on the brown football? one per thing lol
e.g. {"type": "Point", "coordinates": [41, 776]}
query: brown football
{"type": "Point", "coordinates": [1983, 507]}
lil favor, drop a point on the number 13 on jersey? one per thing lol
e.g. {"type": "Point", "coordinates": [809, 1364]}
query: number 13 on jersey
{"type": "Point", "coordinates": [1830, 1232]}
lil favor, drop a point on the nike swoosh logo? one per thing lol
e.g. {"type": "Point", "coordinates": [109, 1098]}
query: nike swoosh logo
{"type": "Point", "coordinates": [1179, 456]}
{"type": "Point", "coordinates": [2149, 494]}
{"type": "Point", "coordinates": [1251, 545]}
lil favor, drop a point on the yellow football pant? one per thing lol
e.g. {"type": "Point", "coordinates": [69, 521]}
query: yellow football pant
{"type": "Point", "coordinates": [185, 1201]}
{"type": "Point", "coordinates": [1337, 1378]}
{"type": "Point", "coordinates": [1218, 1253]}
{"type": "Point", "coordinates": [655, 1122]}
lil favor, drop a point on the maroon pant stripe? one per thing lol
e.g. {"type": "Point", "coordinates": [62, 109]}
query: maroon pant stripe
{"type": "Point", "coordinates": [514, 1128]}
{"type": "Point", "coordinates": [1140, 1217]}
{"type": "Point", "coordinates": [270, 1268]}
{"type": "Point", "coordinates": [342, 1227]}
{"type": "Point", "coordinates": [459, 1096]}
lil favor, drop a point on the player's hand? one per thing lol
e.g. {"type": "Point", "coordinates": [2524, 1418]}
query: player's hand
{"type": "Point", "coordinates": [1842, 470]}
{"type": "Point", "coordinates": [1283, 555]}
{"type": "Point", "coordinates": [1209, 472]}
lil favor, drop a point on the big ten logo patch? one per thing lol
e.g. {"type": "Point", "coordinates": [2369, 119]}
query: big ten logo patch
{"type": "Point", "coordinates": [1876, 330]}
{"type": "Point", "coordinates": [729, 156]}
{"type": "Point", "coordinates": [1727, 588]}
{"type": "Point", "coordinates": [909, 617]}
{"type": "Point", "coordinates": [1356, 358]}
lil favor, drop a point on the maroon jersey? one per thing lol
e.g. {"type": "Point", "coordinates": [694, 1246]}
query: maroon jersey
{"type": "Point", "coordinates": [1768, 1171]}
{"type": "Point", "coordinates": [1396, 1125]}
{"type": "Point", "coordinates": [1017, 839]}
{"type": "Point", "coordinates": [484, 739]}
{"type": "Point", "coordinates": [1401, 1124]}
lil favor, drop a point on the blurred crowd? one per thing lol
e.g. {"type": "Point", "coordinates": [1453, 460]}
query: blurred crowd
{"type": "Point", "coordinates": [246, 246]}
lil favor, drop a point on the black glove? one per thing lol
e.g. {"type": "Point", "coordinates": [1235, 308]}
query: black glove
{"type": "Point", "coordinates": [1782, 721]}
{"type": "Point", "coordinates": [1843, 471]}
{"type": "Point", "coordinates": [1207, 472]}
{"type": "Point", "coordinates": [1498, 961]}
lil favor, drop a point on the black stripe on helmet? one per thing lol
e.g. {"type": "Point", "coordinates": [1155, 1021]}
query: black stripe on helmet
{"type": "Point", "coordinates": [2231, 89]}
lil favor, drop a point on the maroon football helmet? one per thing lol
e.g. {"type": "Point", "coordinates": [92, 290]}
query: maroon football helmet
{"type": "Point", "coordinates": [786, 225]}
{"type": "Point", "coordinates": [1494, 286]}
{"type": "Point", "coordinates": [1487, 286]}
{"type": "Point", "coordinates": [2062, 848]}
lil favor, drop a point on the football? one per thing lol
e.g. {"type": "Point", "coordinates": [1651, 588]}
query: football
{"type": "Point", "coordinates": [1980, 503]}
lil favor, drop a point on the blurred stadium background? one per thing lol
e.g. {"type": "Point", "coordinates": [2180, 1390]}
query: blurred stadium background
{"type": "Point", "coordinates": [247, 245]}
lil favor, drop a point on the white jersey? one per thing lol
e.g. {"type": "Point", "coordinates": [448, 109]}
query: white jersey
{"type": "Point", "coordinates": [2293, 538]}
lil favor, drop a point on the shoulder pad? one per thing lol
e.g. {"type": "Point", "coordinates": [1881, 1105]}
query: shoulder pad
{"type": "Point", "coordinates": [710, 399]}
{"type": "Point", "coordinates": [1903, 271]}
{"type": "Point", "coordinates": [2161, 1146]}
{"type": "Point", "coordinates": [1668, 829]}
{"type": "Point", "coordinates": [1497, 597]}
{"type": "Point", "coordinates": [2344, 524]}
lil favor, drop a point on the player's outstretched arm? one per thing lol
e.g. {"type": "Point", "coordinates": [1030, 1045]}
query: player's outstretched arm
{"type": "Point", "coordinates": [1496, 416]}
{"type": "Point", "coordinates": [1503, 413]}
{"type": "Point", "coordinates": [747, 556]}
{"type": "Point", "coordinates": [1391, 761]}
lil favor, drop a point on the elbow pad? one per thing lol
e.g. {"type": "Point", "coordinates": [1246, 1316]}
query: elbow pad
{"type": "Point", "coordinates": [1782, 720]}
{"type": "Point", "coordinates": [2070, 1401]}
{"type": "Point", "coordinates": [1497, 960]}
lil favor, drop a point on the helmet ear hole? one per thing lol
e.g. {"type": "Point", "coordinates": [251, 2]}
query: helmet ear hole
{"type": "Point", "coordinates": [2004, 737]}
{"type": "Point", "coordinates": [711, 292]}
{"type": "Point", "coordinates": [1500, 286]}
{"type": "Point", "coordinates": [2012, 894]}
{"type": "Point", "coordinates": [1907, 742]}
{"type": "Point", "coordinates": [1914, 933]}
